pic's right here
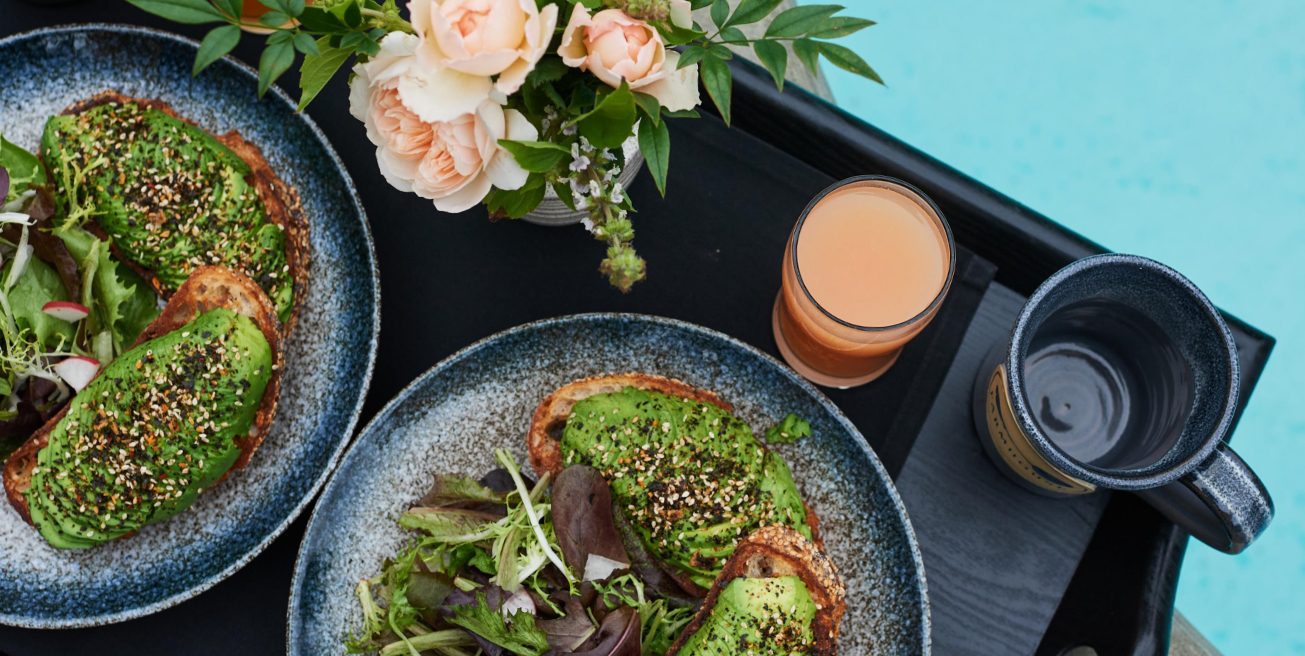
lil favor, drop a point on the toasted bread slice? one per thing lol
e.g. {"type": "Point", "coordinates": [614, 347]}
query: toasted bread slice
{"type": "Point", "coordinates": [207, 288]}
{"type": "Point", "coordinates": [543, 438]}
{"type": "Point", "coordinates": [281, 200]}
{"type": "Point", "coordinates": [775, 551]}
{"type": "Point", "coordinates": [545, 435]}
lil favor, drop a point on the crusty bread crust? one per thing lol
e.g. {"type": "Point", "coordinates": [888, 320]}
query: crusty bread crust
{"type": "Point", "coordinates": [775, 551]}
{"type": "Point", "coordinates": [207, 288]}
{"type": "Point", "coordinates": [280, 199]}
{"type": "Point", "coordinates": [543, 438]}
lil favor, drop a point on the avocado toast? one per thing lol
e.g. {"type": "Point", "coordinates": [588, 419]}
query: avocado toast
{"type": "Point", "coordinates": [777, 595]}
{"type": "Point", "coordinates": [171, 197]}
{"type": "Point", "coordinates": [164, 421]}
{"type": "Point", "coordinates": [688, 475]}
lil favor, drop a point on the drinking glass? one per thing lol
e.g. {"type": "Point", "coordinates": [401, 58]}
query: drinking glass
{"type": "Point", "coordinates": [875, 247]}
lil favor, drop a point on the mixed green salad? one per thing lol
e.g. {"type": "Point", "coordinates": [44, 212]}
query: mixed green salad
{"type": "Point", "coordinates": [506, 565]}
{"type": "Point", "coordinates": [68, 305]}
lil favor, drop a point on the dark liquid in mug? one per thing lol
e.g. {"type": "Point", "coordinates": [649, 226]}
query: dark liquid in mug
{"type": "Point", "coordinates": [1107, 385]}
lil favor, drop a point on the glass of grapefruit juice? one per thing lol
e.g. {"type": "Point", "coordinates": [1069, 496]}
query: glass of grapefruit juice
{"type": "Point", "coordinates": [866, 268]}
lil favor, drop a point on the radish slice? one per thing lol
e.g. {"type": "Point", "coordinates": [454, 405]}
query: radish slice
{"type": "Point", "coordinates": [598, 568]}
{"type": "Point", "coordinates": [66, 310]}
{"type": "Point", "coordinates": [77, 371]}
{"type": "Point", "coordinates": [518, 602]}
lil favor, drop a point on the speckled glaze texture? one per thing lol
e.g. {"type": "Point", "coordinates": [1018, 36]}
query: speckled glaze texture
{"type": "Point", "coordinates": [1200, 483]}
{"type": "Point", "coordinates": [452, 417]}
{"type": "Point", "coordinates": [1200, 334]}
{"type": "Point", "coordinates": [329, 358]}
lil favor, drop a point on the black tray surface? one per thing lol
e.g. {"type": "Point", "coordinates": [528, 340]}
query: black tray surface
{"type": "Point", "coordinates": [713, 248]}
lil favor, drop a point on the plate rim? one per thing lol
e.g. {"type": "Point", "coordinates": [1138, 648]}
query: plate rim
{"type": "Point", "coordinates": [402, 396]}
{"type": "Point", "coordinates": [85, 621]}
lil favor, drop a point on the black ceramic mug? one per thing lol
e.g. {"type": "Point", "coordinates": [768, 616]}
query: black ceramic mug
{"type": "Point", "coordinates": [1120, 374]}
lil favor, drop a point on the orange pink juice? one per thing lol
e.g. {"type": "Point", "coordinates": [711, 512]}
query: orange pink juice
{"type": "Point", "coordinates": [865, 270]}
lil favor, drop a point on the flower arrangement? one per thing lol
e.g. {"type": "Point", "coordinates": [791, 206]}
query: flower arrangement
{"type": "Point", "coordinates": [495, 101]}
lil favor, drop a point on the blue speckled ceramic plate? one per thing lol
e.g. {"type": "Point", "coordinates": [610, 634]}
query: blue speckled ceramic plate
{"type": "Point", "coordinates": [328, 364]}
{"type": "Point", "coordinates": [452, 418]}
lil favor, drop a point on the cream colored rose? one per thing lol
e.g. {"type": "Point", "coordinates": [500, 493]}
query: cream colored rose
{"type": "Point", "coordinates": [453, 162]}
{"type": "Point", "coordinates": [484, 37]}
{"type": "Point", "coordinates": [615, 46]}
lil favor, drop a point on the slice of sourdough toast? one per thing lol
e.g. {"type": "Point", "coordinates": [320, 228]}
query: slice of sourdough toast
{"type": "Point", "coordinates": [208, 288]}
{"type": "Point", "coordinates": [209, 240]}
{"type": "Point", "coordinates": [773, 552]}
{"type": "Point", "coordinates": [544, 437]}
{"type": "Point", "coordinates": [544, 444]}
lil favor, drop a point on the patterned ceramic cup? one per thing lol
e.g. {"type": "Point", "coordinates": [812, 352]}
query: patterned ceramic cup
{"type": "Point", "coordinates": [1120, 374]}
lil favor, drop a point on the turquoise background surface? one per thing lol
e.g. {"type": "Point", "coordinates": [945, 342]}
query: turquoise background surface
{"type": "Point", "coordinates": [1173, 129]}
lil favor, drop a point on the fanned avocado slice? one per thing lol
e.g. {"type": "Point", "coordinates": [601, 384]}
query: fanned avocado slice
{"type": "Point", "coordinates": [169, 195]}
{"type": "Point", "coordinates": [759, 616]}
{"type": "Point", "coordinates": [154, 429]}
{"type": "Point", "coordinates": [692, 478]}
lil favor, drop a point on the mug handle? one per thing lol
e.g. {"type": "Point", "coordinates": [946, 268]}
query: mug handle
{"type": "Point", "coordinates": [1222, 502]}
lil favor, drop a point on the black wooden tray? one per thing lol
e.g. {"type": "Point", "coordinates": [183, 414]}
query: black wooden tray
{"type": "Point", "coordinates": [1120, 599]}
{"type": "Point", "coordinates": [714, 247]}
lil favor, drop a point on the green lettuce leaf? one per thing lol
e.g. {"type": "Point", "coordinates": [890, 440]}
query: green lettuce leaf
{"type": "Point", "coordinates": [518, 634]}
{"type": "Point", "coordinates": [39, 285]}
{"type": "Point", "coordinates": [119, 298]}
{"type": "Point", "coordinates": [23, 167]}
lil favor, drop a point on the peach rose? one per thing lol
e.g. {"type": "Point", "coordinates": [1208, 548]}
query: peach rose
{"type": "Point", "coordinates": [452, 162]}
{"type": "Point", "coordinates": [615, 46]}
{"type": "Point", "coordinates": [484, 37]}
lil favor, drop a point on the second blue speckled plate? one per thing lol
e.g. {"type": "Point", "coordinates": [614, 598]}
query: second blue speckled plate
{"type": "Point", "coordinates": [452, 418]}
{"type": "Point", "coordinates": [328, 364]}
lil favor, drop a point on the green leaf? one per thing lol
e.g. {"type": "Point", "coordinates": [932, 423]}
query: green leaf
{"type": "Point", "coordinates": [774, 57]}
{"type": "Point", "coordinates": [217, 43]}
{"type": "Point", "coordinates": [655, 144]}
{"type": "Point", "coordinates": [352, 14]}
{"type": "Point", "coordinates": [840, 26]}
{"type": "Point", "coordinates": [800, 20]}
{"type": "Point", "coordinates": [295, 7]}
{"type": "Point", "coordinates": [720, 12]}
{"type": "Point", "coordinates": [808, 52]}
{"type": "Point", "coordinates": [847, 60]}
{"type": "Point", "coordinates": [751, 11]}
{"type": "Point", "coordinates": [516, 203]}
{"type": "Point", "coordinates": [276, 60]}
{"type": "Point", "coordinates": [732, 35]}
{"type": "Point", "coordinates": [232, 8]}
{"type": "Point", "coordinates": [117, 296]}
{"type": "Point", "coordinates": [549, 69]}
{"type": "Point", "coordinates": [191, 12]}
{"type": "Point", "coordinates": [316, 19]}
{"type": "Point", "coordinates": [352, 40]}
{"type": "Point", "coordinates": [718, 79]}
{"type": "Point", "coordinates": [517, 634]}
{"type": "Point", "coordinates": [720, 52]}
{"type": "Point", "coordinates": [38, 285]}
{"type": "Point", "coordinates": [274, 19]}
{"type": "Point", "coordinates": [452, 525]}
{"type": "Point", "coordinates": [24, 168]}
{"type": "Point", "coordinates": [317, 70]}
{"type": "Point", "coordinates": [789, 430]}
{"type": "Point", "coordinates": [683, 113]}
{"type": "Point", "coordinates": [535, 156]}
{"type": "Point", "coordinates": [699, 4]}
{"type": "Point", "coordinates": [304, 43]}
{"type": "Point", "coordinates": [612, 121]}
{"type": "Point", "coordinates": [690, 56]}
{"type": "Point", "coordinates": [649, 106]}
{"type": "Point", "coordinates": [450, 489]}
{"type": "Point", "coordinates": [678, 36]}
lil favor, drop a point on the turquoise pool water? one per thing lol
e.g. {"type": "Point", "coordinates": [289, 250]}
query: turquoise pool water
{"type": "Point", "coordinates": [1168, 128]}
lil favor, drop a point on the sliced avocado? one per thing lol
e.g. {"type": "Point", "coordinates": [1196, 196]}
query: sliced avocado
{"type": "Point", "coordinates": [758, 616]}
{"type": "Point", "coordinates": [169, 195]}
{"type": "Point", "coordinates": [691, 477]}
{"type": "Point", "coordinates": [154, 429]}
